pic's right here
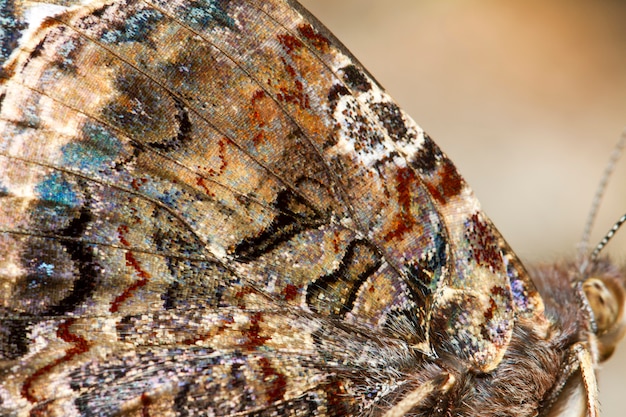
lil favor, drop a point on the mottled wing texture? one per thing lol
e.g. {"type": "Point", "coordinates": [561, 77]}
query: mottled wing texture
{"type": "Point", "coordinates": [210, 208]}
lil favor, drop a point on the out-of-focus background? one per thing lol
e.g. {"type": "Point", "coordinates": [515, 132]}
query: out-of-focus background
{"type": "Point", "coordinates": [527, 97]}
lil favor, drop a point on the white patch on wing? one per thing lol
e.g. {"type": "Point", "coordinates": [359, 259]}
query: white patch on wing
{"type": "Point", "coordinates": [37, 13]}
{"type": "Point", "coordinates": [351, 139]}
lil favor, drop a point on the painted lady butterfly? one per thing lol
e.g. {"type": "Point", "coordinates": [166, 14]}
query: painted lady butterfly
{"type": "Point", "coordinates": [210, 208]}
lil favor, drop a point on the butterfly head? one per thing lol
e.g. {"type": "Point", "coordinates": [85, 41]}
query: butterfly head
{"type": "Point", "coordinates": [604, 287]}
{"type": "Point", "coordinates": [605, 294]}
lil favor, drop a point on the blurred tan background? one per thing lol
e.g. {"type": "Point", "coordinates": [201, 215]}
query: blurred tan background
{"type": "Point", "coordinates": [527, 97]}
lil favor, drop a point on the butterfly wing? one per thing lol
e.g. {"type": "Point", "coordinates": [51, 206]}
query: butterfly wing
{"type": "Point", "coordinates": [210, 205]}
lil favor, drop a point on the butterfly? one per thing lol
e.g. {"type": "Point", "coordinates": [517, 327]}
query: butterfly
{"type": "Point", "coordinates": [211, 208]}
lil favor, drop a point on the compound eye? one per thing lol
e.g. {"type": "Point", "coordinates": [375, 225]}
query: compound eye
{"type": "Point", "coordinates": [603, 302]}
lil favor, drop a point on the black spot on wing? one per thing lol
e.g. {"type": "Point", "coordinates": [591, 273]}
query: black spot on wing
{"type": "Point", "coordinates": [390, 116]}
{"type": "Point", "coordinates": [427, 159]}
{"type": "Point", "coordinates": [336, 92]}
{"type": "Point", "coordinates": [355, 78]}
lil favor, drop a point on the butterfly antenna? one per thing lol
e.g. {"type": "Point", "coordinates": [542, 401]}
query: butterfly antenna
{"type": "Point", "coordinates": [595, 204]}
{"type": "Point", "coordinates": [607, 237]}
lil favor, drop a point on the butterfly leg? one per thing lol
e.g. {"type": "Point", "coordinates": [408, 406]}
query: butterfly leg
{"type": "Point", "coordinates": [585, 361]}
{"type": "Point", "coordinates": [579, 359]}
{"type": "Point", "coordinates": [442, 384]}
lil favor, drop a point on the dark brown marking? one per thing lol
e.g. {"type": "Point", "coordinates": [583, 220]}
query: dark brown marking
{"type": "Point", "coordinates": [336, 241]}
{"type": "Point", "coordinates": [253, 333]}
{"type": "Point", "coordinates": [427, 158]}
{"type": "Point", "coordinates": [483, 244]}
{"type": "Point", "coordinates": [146, 401]}
{"type": "Point", "coordinates": [297, 96]}
{"type": "Point", "coordinates": [447, 184]}
{"type": "Point", "coordinates": [500, 291]}
{"type": "Point", "coordinates": [221, 154]}
{"type": "Point", "coordinates": [290, 43]}
{"type": "Point", "coordinates": [244, 291]}
{"type": "Point", "coordinates": [489, 313]}
{"type": "Point", "coordinates": [356, 79]}
{"type": "Point", "coordinates": [293, 93]}
{"type": "Point", "coordinates": [257, 117]}
{"type": "Point", "coordinates": [200, 182]}
{"type": "Point", "coordinates": [7, 72]}
{"type": "Point", "coordinates": [257, 97]}
{"type": "Point", "coordinates": [336, 91]}
{"type": "Point", "coordinates": [258, 138]}
{"type": "Point", "coordinates": [136, 183]}
{"type": "Point", "coordinates": [290, 69]}
{"type": "Point", "coordinates": [320, 42]}
{"type": "Point", "coordinates": [403, 221]}
{"type": "Point", "coordinates": [290, 292]}
{"type": "Point", "coordinates": [277, 382]}
{"type": "Point", "coordinates": [121, 231]}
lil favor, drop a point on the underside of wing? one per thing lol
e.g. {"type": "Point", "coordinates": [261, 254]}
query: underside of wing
{"type": "Point", "coordinates": [200, 198]}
